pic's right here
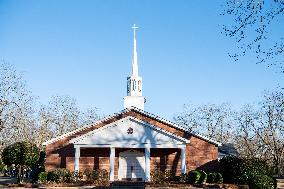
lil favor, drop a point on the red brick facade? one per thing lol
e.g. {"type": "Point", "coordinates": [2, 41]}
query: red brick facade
{"type": "Point", "coordinates": [199, 152]}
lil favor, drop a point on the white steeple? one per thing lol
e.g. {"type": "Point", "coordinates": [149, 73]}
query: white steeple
{"type": "Point", "coordinates": [134, 82]}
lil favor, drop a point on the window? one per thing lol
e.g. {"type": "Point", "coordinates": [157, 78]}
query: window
{"type": "Point", "coordinates": [128, 86]}
{"type": "Point", "coordinates": [139, 86]}
{"type": "Point", "coordinates": [134, 84]}
{"type": "Point", "coordinates": [132, 80]}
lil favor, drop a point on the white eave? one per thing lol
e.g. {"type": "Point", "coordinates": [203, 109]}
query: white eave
{"type": "Point", "coordinates": [128, 110]}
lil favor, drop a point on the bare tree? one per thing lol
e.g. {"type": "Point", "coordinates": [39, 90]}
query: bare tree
{"type": "Point", "coordinates": [212, 120]}
{"type": "Point", "coordinates": [261, 130]}
{"type": "Point", "coordinates": [44, 128]}
{"type": "Point", "coordinates": [246, 140]}
{"type": "Point", "coordinates": [21, 121]}
{"type": "Point", "coordinates": [187, 118]}
{"type": "Point", "coordinates": [216, 121]}
{"type": "Point", "coordinates": [16, 106]}
{"type": "Point", "coordinates": [62, 114]}
{"type": "Point", "coordinates": [89, 116]}
{"type": "Point", "coordinates": [271, 127]}
{"type": "Point", "coordinates": [252, 26]}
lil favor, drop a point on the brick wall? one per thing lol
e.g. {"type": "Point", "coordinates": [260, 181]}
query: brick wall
{"type": "Point", "coordinates": [201, 154]}
{"type": "Point", "coordinates": [165, 159]}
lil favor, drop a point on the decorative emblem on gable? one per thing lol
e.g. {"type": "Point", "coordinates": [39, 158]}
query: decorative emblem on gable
{"type": "Point", "coordinates": [130, 131]}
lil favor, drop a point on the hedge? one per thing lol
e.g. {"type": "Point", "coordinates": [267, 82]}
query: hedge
{"type": "Point", "coordinates": [253, 172]}
{"type": "Point", "coordinates": [203, 177]}
{"type": "Point", "coordinates": [97, 177]}
{"type": "Point", "coordinates": [42, 177]}
{"type": "Point", "coordinates": [158, 177]}
{"type": "Point", "coordinates": [215, 177]}
{"type": "Point", "coordinates": [262, 182]}
{"type": "Point", "coordinates": [193, 177]}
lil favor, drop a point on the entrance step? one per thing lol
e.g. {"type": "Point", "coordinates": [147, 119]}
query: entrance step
{"type": "Point", "coordinates": [127, 185]}
{"type": "Point", "coordinates": [280, 183]}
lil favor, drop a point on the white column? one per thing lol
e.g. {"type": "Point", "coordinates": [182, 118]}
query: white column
{"type": "Point", "coordinates": [77, 158]}
{"type": "Point", "coordinates": [111, 163]}
{"type": "Point", "coordinates": [147, 164]}
{"type": "Point", "coordinates": [183, 160]}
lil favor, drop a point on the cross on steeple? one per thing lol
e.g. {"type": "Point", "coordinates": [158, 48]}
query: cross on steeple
{"type": "Point", "coordinates": [134, 27]}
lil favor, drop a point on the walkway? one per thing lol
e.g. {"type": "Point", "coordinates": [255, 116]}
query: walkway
{"type": "Point", "coordinates": [5, 181]}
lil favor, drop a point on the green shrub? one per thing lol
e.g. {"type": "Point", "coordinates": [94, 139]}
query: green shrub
{"type": "Point", "coordinates": [76, 176]}
{"type": "Point", "coordinates": [182, 178]}
{"type": "Point", "coordinates": [53, 177]}
{"type": "Point", "coordinates": [219, 178]}
{"type": "Point", "coordinates": [241, 170]}
{"type": "Point", "coordinates": [216, 178]}
{"type": "Point", "coordinates": [103, 177]}
{"type": "Point", "coordinates": [262, 182]}
{"type": "Point", "coordinates": [203, 177]}
{"type": "Point", "coordinates": [2, 166]}
{"type": "Point", "coordinates": [193, 177]}
{"type": "Point", "coordinates": [65, 176]}
{"type": "Point", "coordinates": [211, 177]}
{"type": "Point", "coordinates": [169, 175]}
{"type": "Point", "coordinates": [257, 166]}
{"type": "Point", "coordinates": [234, 170]}
{"type": "Point", "coordinates": [97, 177]}
{"type": "Point", "coordinates": [88, 174]}
{"type": "Point", "coordinates": [2, 169]}
{"type": "Point", "coordinates": [35, 172]}
{"type": "Point", "coordinates": [158, 177]}
{"type": "Point", "coordinates": [60, 175]}
{"type": "Point", "coordinates": [177, 178]}
{"type": "Point", "coordinates": [42, 177]}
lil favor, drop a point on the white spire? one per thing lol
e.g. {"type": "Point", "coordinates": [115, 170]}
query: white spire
{"type": "Point", "coordinates": [134, 54]}
{"type": "Point", "coordinates": [134, 82]}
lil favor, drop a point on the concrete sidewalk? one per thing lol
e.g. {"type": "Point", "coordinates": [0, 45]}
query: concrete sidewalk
{"type": "Point", "coordinates": [5, 181]}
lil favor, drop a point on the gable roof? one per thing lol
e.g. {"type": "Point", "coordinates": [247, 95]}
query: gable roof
{"type": "Point", "coordinates": [137, 110]}
{"type": "Point", "coordinates": [113, 134]}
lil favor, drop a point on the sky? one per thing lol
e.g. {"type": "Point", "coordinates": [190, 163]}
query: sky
{"type": "Point", "coordinates": [83, 49]}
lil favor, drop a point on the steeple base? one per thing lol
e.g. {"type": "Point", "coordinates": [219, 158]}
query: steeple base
{"type": "Point", "coordinates": [136, 101]}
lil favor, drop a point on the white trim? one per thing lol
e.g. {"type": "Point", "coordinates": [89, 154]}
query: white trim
{"type": "Point", "coordinates": [171, 124]}
{"type": "Point", "coordinates": [147, 164]}
{"type": "Point", "coordinates": [207, 139]}
{"type": "Point", "coordinates": [77, 159]}
{"type": "Point", "coordinates": [78, 139]}
{"type": "Point", "coordinates": [183, 160]}
{"type": "Point", "coordinates": [111, 163]}
{"type": "Point", "coordinates": [79, 129]}
{"type": "Point", "coordinates": [168, 145]}
{"type": "Point", "coordinates": [175, 125]}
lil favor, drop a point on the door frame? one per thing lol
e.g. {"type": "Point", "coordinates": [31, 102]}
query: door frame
{"type": "Point", "coordinates": [130, 153]}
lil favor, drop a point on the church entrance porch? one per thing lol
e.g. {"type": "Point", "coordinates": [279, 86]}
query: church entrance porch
{"type": "Point", "coordinates": [129, 164]}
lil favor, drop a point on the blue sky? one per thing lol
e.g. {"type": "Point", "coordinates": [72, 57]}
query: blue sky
{"type": "Point", "coordinates": [83, 49]}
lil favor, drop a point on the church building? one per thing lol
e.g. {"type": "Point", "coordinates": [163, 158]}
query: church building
{"type": "Point", "coordinates": [131, 143]}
